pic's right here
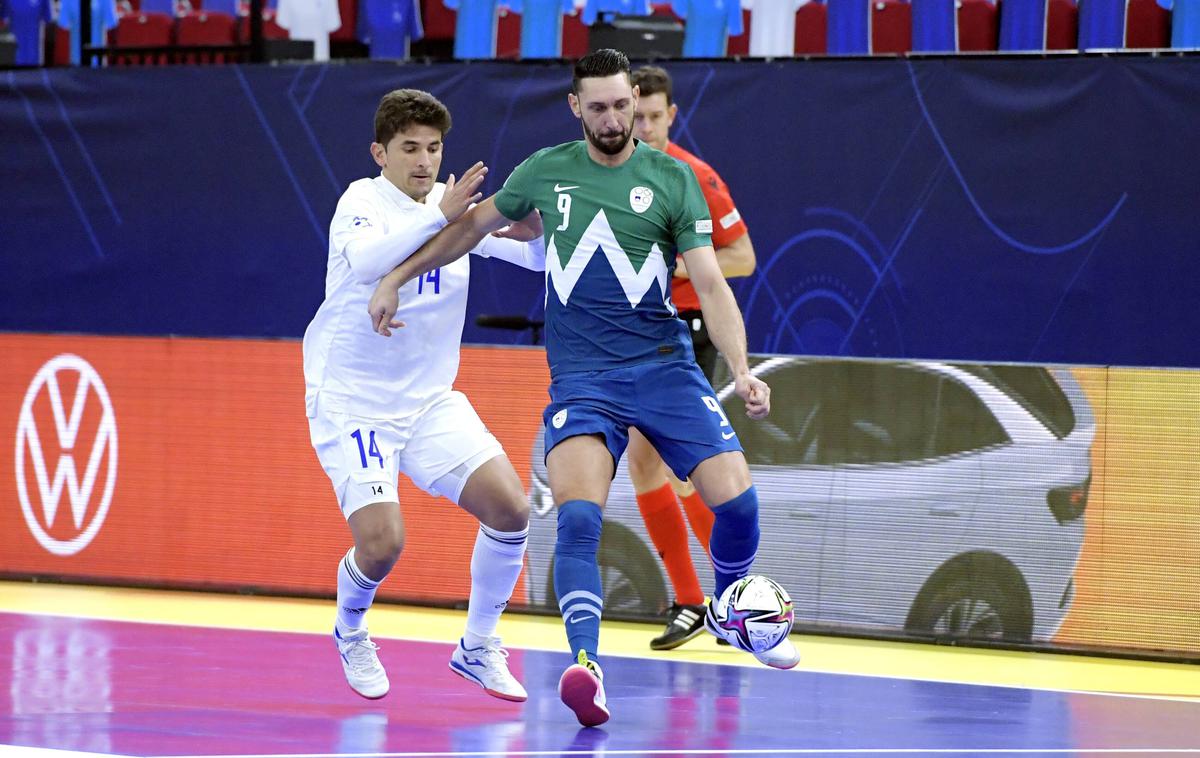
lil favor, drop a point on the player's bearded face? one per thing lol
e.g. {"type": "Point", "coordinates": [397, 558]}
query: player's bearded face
{"type": "Point", "coordinates": [606, 106]}
{"type": "Point", "coordinates": [610, 139]}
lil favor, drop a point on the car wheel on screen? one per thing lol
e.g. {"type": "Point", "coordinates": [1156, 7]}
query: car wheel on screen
{"type": "Point", "coordinates": [632, 582]}
{"type": "Point", "coordinates": [976, 608]}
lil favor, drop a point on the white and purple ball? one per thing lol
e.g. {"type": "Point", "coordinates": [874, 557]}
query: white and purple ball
{"type": "Point", "coordinates": [755, 613]}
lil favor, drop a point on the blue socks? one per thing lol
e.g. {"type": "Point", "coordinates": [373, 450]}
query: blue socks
{"type": "Point", "coordinates": [577, 574]}
{"type": "Point", "coordinates": [734, 542]}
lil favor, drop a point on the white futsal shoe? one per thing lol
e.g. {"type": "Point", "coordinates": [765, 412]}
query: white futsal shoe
{"type": "Point", "coordinates": [782, 656]}
{"type": "Point", "coordinates": [487, 666]}
{"type": "Point", "coordinates": [360, 661]}
{"type": "Point", "coordinates": [582, 690]}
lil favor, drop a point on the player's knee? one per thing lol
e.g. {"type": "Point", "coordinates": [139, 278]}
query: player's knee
{"type": "Point", "coordinates": [580, 523]}
{"type": "Point", "coordinates": [511, 515]}
{"type": "Point", "coordinates": [381, 547]}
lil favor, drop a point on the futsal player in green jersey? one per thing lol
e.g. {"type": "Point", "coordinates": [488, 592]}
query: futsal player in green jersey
{"type": "Point", "coordinates": [615, 213]}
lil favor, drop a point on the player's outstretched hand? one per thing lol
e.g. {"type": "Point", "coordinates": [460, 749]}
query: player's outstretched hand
{"type": "Point", "coordinates": [756, 393]}
{"type": "Point", "coordinates": [462, 193]}
{"type": "Point", "coordinates": [525, 230]}
{"type": "Point", "coordinates": [383, 307]}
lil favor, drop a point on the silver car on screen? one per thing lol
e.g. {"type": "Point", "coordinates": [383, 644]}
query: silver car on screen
{"type": "Point", "coordinates": [916, 497]}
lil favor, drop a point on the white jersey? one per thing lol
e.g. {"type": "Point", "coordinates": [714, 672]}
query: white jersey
{"type": "Point", "coordinates": [310, 19]}
{"type": "Point", "coordinates": [350, 369]}
{"type": "Point", "coordinates": [772, 27]}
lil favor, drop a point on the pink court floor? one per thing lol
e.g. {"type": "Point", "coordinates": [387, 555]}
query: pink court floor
{"type": "Point", "coordinates": [139, 689]}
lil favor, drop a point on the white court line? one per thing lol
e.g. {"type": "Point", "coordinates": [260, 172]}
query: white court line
{"type": "Point", "coordinates": [721, 751]}
{"type": "Point", "coordinates": [20, 751]}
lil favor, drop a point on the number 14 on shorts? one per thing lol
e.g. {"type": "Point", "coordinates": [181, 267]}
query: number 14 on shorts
{"type": "Point", "coordinates": [371, 450]}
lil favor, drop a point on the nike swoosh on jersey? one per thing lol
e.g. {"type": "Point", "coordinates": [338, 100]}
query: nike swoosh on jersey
{"type": "Point", "coordinates": [575, 620]}
{"type": "Point", "coordinates": [564, 188]}
{"type": "Point", "coordinates": [727, 435]}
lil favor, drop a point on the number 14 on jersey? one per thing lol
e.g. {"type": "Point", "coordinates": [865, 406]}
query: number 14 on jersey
{"type": "Point", "coordinates": [433, 279]}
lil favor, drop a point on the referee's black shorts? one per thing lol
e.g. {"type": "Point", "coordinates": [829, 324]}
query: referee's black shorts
{"type": "Point", "coordinates": [706, 352]}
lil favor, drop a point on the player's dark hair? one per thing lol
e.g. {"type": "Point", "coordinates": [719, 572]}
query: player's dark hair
{"type": "Point", "coordinates": [651, 80]}
{"type": "Point", "coordinates": [599, 64]}
{"type": "Point", "coordinates": [402, 108]}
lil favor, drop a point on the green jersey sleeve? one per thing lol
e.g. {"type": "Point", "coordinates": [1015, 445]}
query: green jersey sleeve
{"type": "Point", "coordinates": [693, 224]}
{"type": "Point", "coordinates": [515, 198]}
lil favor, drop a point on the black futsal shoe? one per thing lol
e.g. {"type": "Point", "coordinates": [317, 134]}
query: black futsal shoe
{"type": "Point", "coordinates": [684, 622]}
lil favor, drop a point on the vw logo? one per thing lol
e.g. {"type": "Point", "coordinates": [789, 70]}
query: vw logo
{"type": "Point", "coordinates": [76, 455]}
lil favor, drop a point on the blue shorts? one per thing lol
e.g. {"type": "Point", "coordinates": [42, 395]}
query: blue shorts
{"type": "Point", "coordinates": [672, 404]}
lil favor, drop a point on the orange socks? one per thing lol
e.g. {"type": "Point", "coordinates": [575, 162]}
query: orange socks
{"type": "Point", "coordinates": [664, 522]}
{"type": "Point", "coordinates": [700, 517]}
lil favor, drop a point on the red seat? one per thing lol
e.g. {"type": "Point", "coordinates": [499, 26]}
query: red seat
{"type": "Point", "coordinates": [891, 26]}
{"type": "Point", "coordinates": [740, 45]}
{"type": "Point", "coordinates": [810, 29]}
{"type": "Point", "coordinates": [508, 35]}
{"type": "Point", "coordinates": [437, 19]}
{"type": "Point", "coordinates": [142, 30]}
{"type": "Point", "coordinates": [978, 26]}
{"type": "Point", "coordinates": [575, 36]}
{"type": "Point", "coordinates": [62, 44]}
{"type": "Point", "coordinates": [1062, 25]}
{"type": "Point", "coordinates": [348, 11]}
{"type": "Point", "coordinates": [1147, 24]}
{"type": "Point", "coordinates": [201, 28]}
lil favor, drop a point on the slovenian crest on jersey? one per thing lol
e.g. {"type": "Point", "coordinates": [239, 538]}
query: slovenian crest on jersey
{"type": "Point", "coordinates": [640, 199]}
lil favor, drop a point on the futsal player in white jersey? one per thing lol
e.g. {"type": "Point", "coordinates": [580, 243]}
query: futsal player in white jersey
{"type": "Point", "coordinates": [379, 407]}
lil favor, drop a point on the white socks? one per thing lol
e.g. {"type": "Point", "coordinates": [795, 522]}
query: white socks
{"type": "Point", "coordinates": [354, 594]}
{"type": "Point", "coordinates": [495, 565]}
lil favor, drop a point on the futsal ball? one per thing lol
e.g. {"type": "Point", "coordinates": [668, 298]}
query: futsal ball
{"type": "Point", "coordinates": [755, 613]}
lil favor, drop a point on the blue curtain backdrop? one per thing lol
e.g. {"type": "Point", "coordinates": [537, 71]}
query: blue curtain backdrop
{"type": "Point", "coordinates": [1013, 210]}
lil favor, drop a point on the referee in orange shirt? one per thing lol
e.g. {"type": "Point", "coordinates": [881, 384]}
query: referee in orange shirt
{"type": "Point", "coordinates": [656, 487]}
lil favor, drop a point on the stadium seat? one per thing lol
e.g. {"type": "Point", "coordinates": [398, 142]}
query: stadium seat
{"type": "Point", "coordinates": [142, 30]}
{"type": "Point", "coordinates": [978, 26]}
{"type": "Point", "coordinates": [575, 36]}
{"type": "Point", "coordinates": [1147, 24]}
{"type": "Point", "coordinates": [891, 26]}
{"type": "Point", "coordinates": [1062, 25]}
{"type": "Point", "coordinates": [348, 31]}
{"type": "Point", "coordinates": [810, 29]}
{"type": "Point", "coordinates": [508, 35]}
{"type": "Point", "coordinates": [200, 28]}
{"type": "Point", "coordinates": [60, 38]}
{"type": "Point", "coordinates": [438, 20]}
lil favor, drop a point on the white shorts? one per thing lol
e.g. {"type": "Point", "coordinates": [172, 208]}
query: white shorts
{"type": "Point", "coordinates": [438, 449]}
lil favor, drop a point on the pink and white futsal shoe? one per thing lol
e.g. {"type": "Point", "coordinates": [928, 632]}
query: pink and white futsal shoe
{"type": "Point", "coordinates": [582, 690]}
